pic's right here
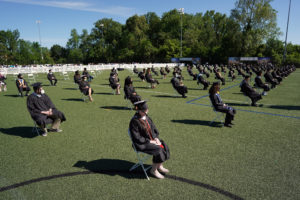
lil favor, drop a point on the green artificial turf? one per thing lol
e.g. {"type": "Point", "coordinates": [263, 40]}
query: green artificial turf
{"type": "Point", "coordinates": [256, 159]}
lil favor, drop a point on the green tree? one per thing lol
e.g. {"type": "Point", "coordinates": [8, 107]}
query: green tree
{"type": "Point", "coordinates": [257, 20]}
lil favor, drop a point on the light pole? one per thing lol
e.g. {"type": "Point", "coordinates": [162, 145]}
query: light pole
{"type": "Point", "coordinates": [38, 24]}
{"type": "Point", "coordinates": [181, 12]}
{"type": "Point", "coordinates": [287, 29]}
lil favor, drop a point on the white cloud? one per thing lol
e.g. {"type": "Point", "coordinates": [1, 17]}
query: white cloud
{"type": "Point", "coordinates": [77, 5]}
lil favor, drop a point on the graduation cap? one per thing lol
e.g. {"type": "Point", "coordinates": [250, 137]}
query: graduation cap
{"type": "Point", "coordinates": [141, 105]}
{"type": "Point", "coordinates": [216, 83]}
{"type": "Point", "coordinates": [36, 85]}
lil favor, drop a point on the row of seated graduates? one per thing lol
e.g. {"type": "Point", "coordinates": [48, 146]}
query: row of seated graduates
{"type": "Point", "coordinates": [146, 75]}
{"type": "Point", "coordinates": [273, 76]}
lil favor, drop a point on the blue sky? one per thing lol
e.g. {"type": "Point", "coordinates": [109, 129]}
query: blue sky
{"type": "Point", "coordinates": [60, 16]}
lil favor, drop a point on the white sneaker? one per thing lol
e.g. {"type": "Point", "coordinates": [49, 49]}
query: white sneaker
{"type": "Point", "coordinates": [44, 134]}
{"type": "Point", "coordinates": [163, 170]}
{"type": "Point", "coordinates": [157, 174]}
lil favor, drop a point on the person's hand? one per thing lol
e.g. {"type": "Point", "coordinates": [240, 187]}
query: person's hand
{"type": "Point", "coordinates": [157, 141]}
{"type": "Point", "coordinates": [153, 142]}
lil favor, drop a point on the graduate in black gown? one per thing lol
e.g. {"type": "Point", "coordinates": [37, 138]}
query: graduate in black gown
{"type": "Point", "coordinates": [151, 80]}
{"type": "Point", "coordinates": [51, 77]}
{"type": "Point", "coordinates": [219, 76]}
{"type": "Point", "coordinates": [249, 91]}
{"type": "Point", "coordinates": [145, 137]}
{"type": "Point", "coordinates": [167, 69]}
{"type": "Point", "coordinates": [22, 85]}
{"type": "Point", "coordinates": [215, 98]}
{"type": "Point", "coordinates": [154, 71]}
{"type": "Point", "coordinates": [259, 83]}
{"type": "Point", "coordinates": [163, 73]}
{"type": "Point", "coordinates": [178, 85]}
{"type": "Point", "coordinates": [129, 91]}
{"type": "Point", "coordinates": [85, 88]}
{"type": "Point", "coordinates": [87, 74]}
{"type": "Point", "coordinates": [200, 79]}
{"type": "Point", "coordinates": [114, 82]}
{"type": "Point", "coordinates": [269, 78]}
{"type": "Point", "coordinates": [77, 77]}
{"type": "Point", "coordinates": [43, 111]}
{"type": "Point", "coordinates": [2, 82]}
{"type": "Point", "coordinates": [142, 75]}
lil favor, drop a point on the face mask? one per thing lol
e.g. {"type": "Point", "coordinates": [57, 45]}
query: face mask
{"type": "Point", "coordinates": [42, 91]}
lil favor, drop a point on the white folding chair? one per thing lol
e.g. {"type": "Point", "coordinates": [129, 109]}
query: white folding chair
{"type": "Point", "coordinates": [219, 116]}
{"type": "Point", "coordinates": [142, 157]}
{"type": "Point", "coordinates": [31, 78]}
{"type": "Point", "coordinates": [65, 75]}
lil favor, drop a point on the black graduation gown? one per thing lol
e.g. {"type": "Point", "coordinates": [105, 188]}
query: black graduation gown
{"type": "Point", "coordinates": [181, 89]}
{"type": "Point", "coordinates": [259, 83]}
{"type": "Point", "coordinates": [83, 89]}
{"type": "Point", "coordinates": [113, 82]}
{"type": "Point", "coordinates": [21, 89]}
{"type": "Point", "coordinates": [219, 106]}
{"type": "Point", "coordinates": [37, 104]}
{"type": "Point", "coordinates": [149, 79]}
{"type": "Point", "coordinates": [250, 92]}
{"type": "Point", "coordinates": [202, 81]}
{"type": "Point", "coordinates": [51, 76]}
{"type": "Point", "coordinates": [129, 90]}
{"type": "Point", "coordinates": [141, 139]}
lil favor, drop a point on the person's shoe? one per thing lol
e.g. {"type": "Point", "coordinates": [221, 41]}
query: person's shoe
{"type": "Point", "coordinates": [55, 130]}
{"type": "Point", "coordinates": [44, 134]}
{"type": "Point", "coordinates": [157, 174]}
{"type": "Point", "coordinates": [231, 123]}
{"type": "Point", "coordinates": [163, 170]}
{"type": "Point", "coordinates": [228, 125]}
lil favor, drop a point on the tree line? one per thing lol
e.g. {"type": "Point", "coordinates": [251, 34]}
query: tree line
{"type": "Point", "coordinates": [250, 30]}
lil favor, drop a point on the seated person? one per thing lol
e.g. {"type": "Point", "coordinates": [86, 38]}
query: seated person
{"type": "Point", "coordinates": [135, 70]}
{"type": "Point", "coordinates": [259, 83]}
{"type": "Point", "coordinates": [22, 85]}
{"type": "Point", "coordinates": [151, 80]}
{"type": "Point", "coordinates": [231, 74]}
{"type": "Point", "coordinates": [43, 111]}
{"type": "Point", "coordinates": [114, 82]}
{"type": "Point", "coordinates": [114, 71]}
{"type": "Point", "coordinates": [130, 92]}
{"type": "Point", "coordinates": [77, 77]}
{"type": "Point", "coordinates": [87, 74]}
{"type": "Point", "coordinates": [2, 83]}
{"type": "Point", "coordinates": [276, 76]}
{"type": "Point", "coordinates": [219, 76]}
{"type": "Point", "coordinates": [215, 98]}
{"type": "Point", "coordinates": [167, 69]}
{"type": "Point", "coordinates": [249, 91]}
{"type": "Point", "coordinates": [269, 78]}
{"type": "Point", "coordinates": [178, 85]}
{"type": "Point", "coordinates": [142, 75]}
{"type": "Point", "coordinates": [190, 72]}
{"type": "Point", "coordinates": [162, 72]}
{"type": "Point", "coordinates": [85, 88]}
{"type": "Point", "coordinates": [201, 80]}
{"type": "Point", "coordinates": [51, 77]}
{"type": "Point", "coordinates": [145, 138]}
{"type": "Point", "coordinates": [153, 70]}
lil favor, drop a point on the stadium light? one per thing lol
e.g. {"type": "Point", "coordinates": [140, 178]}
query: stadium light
{"type": "Point", "coordinates": [286, 33]}
{"type": "Point", "coordinates": [181, 12]}
{"type": "Point", "coordinates": [38, 24]}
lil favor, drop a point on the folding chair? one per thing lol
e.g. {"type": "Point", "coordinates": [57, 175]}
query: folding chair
{"type": "Point", "coordinates": [219, 116]}
{"type": "Point", "coordinates": [65, 75]}
{"type": "Point", "coordinates": [247, 99]}
{"type": "Point", "coordinates": [142, 157]}
{"type": "Point", "coordinates": [84, 97]}
{"type": "Point", "coordinates": [31, 78]}
{"type": "Point", "coordinates": [36, 129]}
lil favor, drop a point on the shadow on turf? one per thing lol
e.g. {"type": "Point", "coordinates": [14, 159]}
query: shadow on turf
{"type": "Point", "coordinates": [72, 99]}
{"type": "Point", "coordinates": [24, 132]}
{"type": "Point", "coordinates": [12, 95]}
{"type": "Point", "coordinates": [197, 122]}
{"type": "Point", "coordinates": [104, 93]}
{"type": "Point", "coordinates": [115, 107]}
{"type": "Point", "coordinates": [285, 107]}
{"type": "Point", "coordinates": [70, 88]}
{"type": "Point", "coordinates": [112, 167]}
{"type": "Point", "coordinates": [144, 87]}
{"type": "Point", "coordinates": [166, 96]}
{"type": "Point", "coordinates": [239, 104]}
